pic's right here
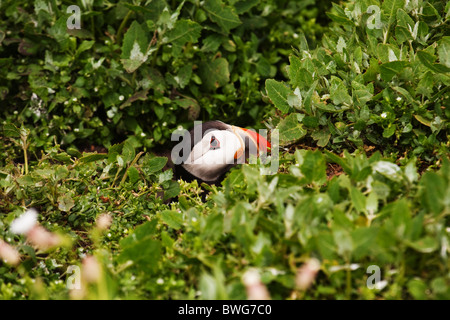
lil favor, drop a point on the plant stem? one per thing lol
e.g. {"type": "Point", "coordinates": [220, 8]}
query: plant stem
{"type": "Point", "coordinates": [122, 26]}
{"type": "Point", "coordinates": [25, 155]}
{"type": "Point", "coordinates": [131, 164]}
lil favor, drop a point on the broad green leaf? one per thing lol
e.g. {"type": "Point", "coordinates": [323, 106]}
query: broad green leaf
{"type": "Point", "coordinates": [444, 51]}
{"type": "Point", "coordinates": [84, 46]}
{"type": "Point", "coordinates": [299, 76]}
{"type": "Point", "coordinates": [361, 93]}
{"type": "Point", "coordinates": [172, 190]}
{"type": "Point", "coordinates": [390, 7]}
{"type": "Point", "coordinates": [343, 241]}
{"type": "Point", "coordinates": [423, 120]}
{"type": "Point", "coordinates": [314, 167]}
{"type": "Point", "coordinates": [184, 31]}
{"type": "Point", "coordinates": [322, 137]}
{"type": "Point", "coordinates": [339, 92]}
{"type": "Point", "coordinates": [133, 174]}
{"type": "Point", "coordinates": [128, 152]}
{"type": "Point", "coordinates": [134, 47]}
{"type": "Point", "coordinates": [425, 245]}
{"type": "Point", "coordinates": [145, 253]}
{"type": "Point", "coordinates": [364, 241]}
{"type": "Point", "coordinates": [222, 14]}
{"type": "Point", "coordinates": [10, 130]}
{"type": "Point", "coordinates": [90, 157]}
{"type": "Point", "coordinates": [214, 74]}
{"type": "Point", "coordinates": [290, 130]}
{"type": "Point", "coordinates": [402, 34]}
{"type": "Point", "coordinates": [358, 199]}
{"type": "Point", "coordinates": [388, 169]}
{"type": "Point", "coordinates": [390, 69]}
{"type": "Point", "coordinates": [417, 288]}
{"type": "Point", "coordinates": [140, 248]}
{"type": "Point", "coordinates": [172, 218]}
{"type": "Point", "coordinates": [433, 187]}
{"type": "Point", "coordinates": [65, 203]}
{"type": "Point", "coordinates": [245, 5]}
{"type": "Point", "coordinates": [428, 61]}
{"type": "Point", "coordinates": [141, 232]}
{"type": "Point", "coordinates": [404, 20]}
{"type": "Point", "coordinates": [154, 164]}
{"type": "Point", "coordinates": [278, 92]}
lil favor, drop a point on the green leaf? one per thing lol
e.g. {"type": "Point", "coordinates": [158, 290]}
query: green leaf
{"type": "Point", "coordinates": [390, 7]}
{"type": "Point", "coordinates": [133, 174]}
{"type": "Point", "coordinates": [65, 203]}
{"type": "Point", "coordinates": [172, 190]}
{"type": "Point", "coordinates": [184, 31]}
{"type": "Point", "coordinates": [358, 199]}
{"type": "Point", "coordinates": [154, 164]}
{"type": "Point", "coordinates": [84, 46]}
{"type": "Point", "coordinates": [322, 137]}
{"type": "Point", "coordinates": [140, 248]}
{"type": "Point", "coordinates": [128, 152]}
{"type": "Point", "coordinates": [425, 245]}
{"type": "Point", "coordinates": [444, 51]}
{"type": "Point", "coordinates": [428, 61]}
{"type": "Point", "coordinates": [145, 252]}
{"type": "Point", "coordinates": [278, 93]}
{"type": "Point", "coordinates": [364, 241]}
{"type": "Point", "coordinates": [10, 130]}
{"type": "Point", "coordinates": [339, 92]}
{"type": "Point", "coordinates": [344, 242]}
{"type": "Point", "coordinates": [433, 192]}
{"type": "Point", "coordinates": [402, 34]}
{"type": "Point", "coordinates": [423, 120]}
{"type": "Point", "coordinates": [417, 288]}
{"type": "Point", "coordinates": [91, 157]}
{"type": "Point", "coordinates": [214, 74]}
{"type": "Point", "coordinates": [290, 130]}
{"type": "Point", "coordinates": [390, 69]}
{"type": "Point", "coordinates": [222, 14]}
{"type": "Point", "coordinates": [172, 218]}
{"type": "Point", "coordinates": [314, 167]}
{"type": "Point", "coordinates": [299, 76]}
{"type": "Point", "coordinates": [134, 47]}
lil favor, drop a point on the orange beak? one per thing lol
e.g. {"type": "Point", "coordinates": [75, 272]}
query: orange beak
{"type": "Point", "coordinates": [261, 142]}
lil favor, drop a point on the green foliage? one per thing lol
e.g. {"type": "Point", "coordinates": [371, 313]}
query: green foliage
{"type": "Point", "coordinates": [381, 84]}
{"type": "Point", "coordinates": [141, 69]}
{"type": "Point", "coordinates": [377, 78]}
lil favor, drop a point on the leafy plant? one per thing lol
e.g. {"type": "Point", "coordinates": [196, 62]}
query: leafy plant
{"type": "Point", "coordinates": [379, 80]}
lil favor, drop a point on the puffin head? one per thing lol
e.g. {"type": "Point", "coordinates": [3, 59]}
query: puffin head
{"type": "Point", "coordinates": [210, 149]}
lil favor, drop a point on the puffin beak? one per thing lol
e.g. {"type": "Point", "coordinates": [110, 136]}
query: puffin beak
{"type": "Point", "coordinates": [261, 143]}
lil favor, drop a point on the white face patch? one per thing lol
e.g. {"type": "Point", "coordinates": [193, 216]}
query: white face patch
{"type": "Point", "coordinates": [202, 153]}
{"type": "Point", "coordinates": [208, 161]}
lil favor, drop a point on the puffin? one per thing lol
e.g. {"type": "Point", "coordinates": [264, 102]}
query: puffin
{"type": "Point", "coordinates": [210, 149]}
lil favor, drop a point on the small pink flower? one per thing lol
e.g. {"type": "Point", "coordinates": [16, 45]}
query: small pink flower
{"type": "Point", "coordinates": [91, 270]}
{"type": "Point", "coordinates": [104, 221]}
{"type": "Point", "coordinates": [41, 238]}
{"type": "Point", "coordinates": [256, 290]}
{"type": "Point", "coordinates": [10, 255]}
{"type": "Point", "coordinates": [307, 273]}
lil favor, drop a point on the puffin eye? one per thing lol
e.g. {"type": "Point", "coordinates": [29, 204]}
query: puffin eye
{"type": "Point", "coordinates": [214, 143]}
